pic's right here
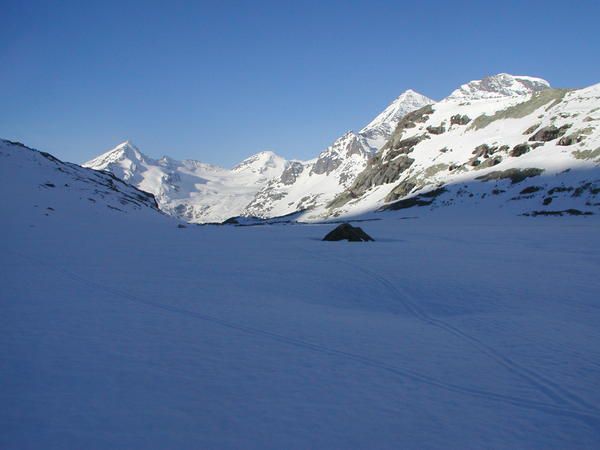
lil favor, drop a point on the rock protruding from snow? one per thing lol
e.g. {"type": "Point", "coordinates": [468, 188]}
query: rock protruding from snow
{"type": "Point", "coordinates": [347, 232]}
{"type": "Point", "coordinates": [341, 150]}
{"type": "Point", "coordinates": [496, 86]}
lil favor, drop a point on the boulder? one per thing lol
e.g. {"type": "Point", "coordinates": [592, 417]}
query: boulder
{"type": "Point", "coordinates": [436, 130]}
{"type": "Point", "coordinates": [575, 138]}
{"type": "Point", "coordinates": [346, 232]}
{"type": "Point", "coordinates": [459, 120]}
{"type": "Point", "coordinates": [549, 133]}
{"type": "Point", "coordinates": [484, 151]}
{"type": "Point", "coordinates": [519, 150]}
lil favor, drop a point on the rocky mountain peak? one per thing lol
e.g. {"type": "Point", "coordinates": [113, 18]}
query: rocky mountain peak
{"type": "Point", "coordinates": [497, 86]}
{"type": "Point", "coordinates": [381, 127]}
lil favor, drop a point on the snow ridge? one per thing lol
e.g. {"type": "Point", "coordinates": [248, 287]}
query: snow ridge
{"type": "Point", "coordinates": [497, 86]}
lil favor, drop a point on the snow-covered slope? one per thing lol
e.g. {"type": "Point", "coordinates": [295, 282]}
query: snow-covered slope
{"type": "Point", "coordinates": [191, 190]}
{"type": "Point", "coordinates": [46, 186]}
{"type": "Point", "coordinates": [314, 183]}
{"type": "Point", "coordinates": [119, 329]}
{"type": "Point", "coordinates": [537, 152]}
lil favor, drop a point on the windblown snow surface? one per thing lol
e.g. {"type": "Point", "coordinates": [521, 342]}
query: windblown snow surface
{"type": "Point", "coordinates": [122, 330]}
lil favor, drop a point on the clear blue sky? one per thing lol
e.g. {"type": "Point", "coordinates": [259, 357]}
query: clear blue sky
{"type": "Point", "coordinates": [221, 80]}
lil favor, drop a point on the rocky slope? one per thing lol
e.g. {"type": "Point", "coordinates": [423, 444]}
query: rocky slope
{"type": "Point", "coordinates": [518, 141]}
{"type": "Point", "coordinates": [312, 184]}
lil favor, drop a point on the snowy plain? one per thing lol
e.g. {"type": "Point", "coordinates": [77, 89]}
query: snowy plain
{"type": "Point", "coordinates": [121, 330]}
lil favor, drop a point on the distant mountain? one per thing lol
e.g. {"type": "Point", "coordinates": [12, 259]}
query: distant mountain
{"type": "Point", "coordinates": [192, 190]}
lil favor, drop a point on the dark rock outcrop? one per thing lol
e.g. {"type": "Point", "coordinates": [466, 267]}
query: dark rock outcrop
{"type": "Point", "coordinates": [375, 174]}
{"type": "Point", "coordinates": [549, 133]}
{"type": "Point", "coordinates": [346, 232]}
{"type": "Point", "coordinates": [408, 121]}
{"type": "Point", "coordinates": [520, 149]}
{"type": "Point", "coordinates": [490, 162]}
{"type": "Point", "coordinates": [530, 190]}
{"type": "Point", "coordinates": [424, 199]}
{"type": "Point", "coordinates": [436, 130]}
{"type": "Point", "coordinates": [292, 172]}
{"type": "Point", "coordinates": [575, 138]}
{"type": "Point", "coordinates": [484, 151]}
{"type": "Point", "coordinates": [514, 175]}
{"type": "Point", "coordinates": [458, 119]}
{"type": "Point", "coordinates": [406, 145]}
{"type": "Point", "coordinates": [531, 129]}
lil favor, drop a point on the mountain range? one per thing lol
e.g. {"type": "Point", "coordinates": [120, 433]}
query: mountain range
{"type": "Point", "coordinates": [263, 185]}
{"type": "Point", "coordinates": [472, 145]}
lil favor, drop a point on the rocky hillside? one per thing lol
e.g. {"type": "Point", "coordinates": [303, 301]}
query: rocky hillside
{"type": "Point", "coordinates": [514, 139]}
{"type": "Point", "coordinates": [312, 184]}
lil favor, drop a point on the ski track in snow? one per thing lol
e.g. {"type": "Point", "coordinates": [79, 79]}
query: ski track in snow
{"type": "Point", "coordinates": [580, 410]}
{"type": "Point", "coordinates": [554, 391]}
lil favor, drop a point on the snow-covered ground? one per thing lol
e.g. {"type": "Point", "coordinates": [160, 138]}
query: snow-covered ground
{"type": "Point", "coordinates": [122, 330]}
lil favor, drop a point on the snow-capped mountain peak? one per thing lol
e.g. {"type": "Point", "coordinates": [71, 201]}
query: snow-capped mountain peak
{"type": "Point", "coordinates": [266, 163]}
{"type": "Point", "coordinates": [382, 126]}
{"type": "Point", "coordinates": [497, 86]}
{"type": "Point", "coordinates": [125, 150]}
{"type": "Point", "coordinates": [124, 161]}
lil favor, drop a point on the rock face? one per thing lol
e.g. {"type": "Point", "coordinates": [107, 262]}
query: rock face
{"type": "Point", "coordinates": [458, 119]}
{"type": "Point", "coordinates": [549, 133]}
{"type": "Point", "coordinates": [378, 131]}
{"type": "Point", "coordinates": [519, 150]}
{"type": "Point", "coordinates": [346, 232]}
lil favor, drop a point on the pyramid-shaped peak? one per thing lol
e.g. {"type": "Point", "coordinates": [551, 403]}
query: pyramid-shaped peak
{"type": "Point", "coordinates": [380, 128]}
{"type": "Point", "coordinates": [126, 150]}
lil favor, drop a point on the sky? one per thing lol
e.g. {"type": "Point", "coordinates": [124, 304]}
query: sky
{"type": "Point", "coordinates": [219, 81]}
